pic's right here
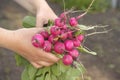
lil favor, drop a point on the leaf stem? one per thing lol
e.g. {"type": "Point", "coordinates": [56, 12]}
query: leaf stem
{"type": "Point", "coordinates": [64, 4]}
{"type": "Point", "coordinates": [77, 65]}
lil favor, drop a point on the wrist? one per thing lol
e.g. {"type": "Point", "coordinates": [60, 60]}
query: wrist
{"type": "Point", "coordinates": [40, 5]}
{"type": "Point", "coordinates": [37, 4]}
{"type": "Point", "coordinates": [6, 38]}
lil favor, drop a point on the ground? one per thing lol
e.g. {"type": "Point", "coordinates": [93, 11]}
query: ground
{"type": "Point", "coordinates": [104, 66]}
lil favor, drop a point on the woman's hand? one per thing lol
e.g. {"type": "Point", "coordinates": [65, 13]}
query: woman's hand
{"type": "Point", "coordinates": [20, 42]}
{"type": "Point", "coordinates": [21, 39]}
{"type": "Point", "coordinates": [41, 9]}
{"type": "Point", "coordinates": [43, 12]}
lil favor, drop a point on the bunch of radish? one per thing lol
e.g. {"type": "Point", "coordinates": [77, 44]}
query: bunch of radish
{"type": "Point", "coordinates": [63, 37]}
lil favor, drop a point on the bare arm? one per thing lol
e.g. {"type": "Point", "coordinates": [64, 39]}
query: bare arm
{"type": "Point", "coordinates": [40, 8]}
{"type": "Point", "coordinates": [20, 42]}
{"type": "Point", "coordinates": [4, 37]}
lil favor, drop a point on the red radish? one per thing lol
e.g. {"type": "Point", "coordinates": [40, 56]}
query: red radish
{"type": "Point", "coordinates": [64, 35]}
{"type": "Point", "coordinates": [59, 22]}
{"type": "Point", "coordinates": [47, 46]}
{"type": "Point", "coordinates": [76, 42]}
{"type": "Point", "coordinates": [38, 40]}
{"type": "Point", "coordinates": [64, 27]}
{"type": "Point", "coordinates": [63, 16]}
{"type": "Point", "coordinates": [80, 37]}
{"type": "Point", "coordinates": [61, 38]}
{"type": "Point", "coordinates": [69, 45]}
{"type": "Point", "coordinates": [74, 53]}
{"type": "Point", "coordinates": [67, 59]}
{"type": "Point", "coordinates": [52, 39]}
{"type": "Point", "coordinates": [45, 34]}
{"type": "Point", "coordinates": [55, 30]}
{"type": "Point", "coordinates": [73, 22]}
{"type": "Point", "coordinates": [70, 35]}
{"type": "Point", "coordinates": [59, 47]}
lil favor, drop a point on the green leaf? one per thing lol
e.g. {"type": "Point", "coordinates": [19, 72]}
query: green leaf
{"type": "Point", "coordinates": [62, 76]}
{"type": "Point", "coordinates": [32, 72]}
{"type": "Point", "coordinates": [50, 23]}
{"type": "Point", "coordinates": [83, 27]}
{"type": "Point", "coordinates": [56, 69]}
{"type": "Point", "coordinates": [67, 76]}
{"type": "Point", "coordinates": [53, 77]}
{"type": "Point", "coordinates": [25, 75]}
{"type": "Point", "coordinates": [48, 77]}
{"type": "Point", "coordinates": [72, 74]}
{"type": "Point", "coordinates": [79, 32]}
{"type": "Point", "coordinates": [45, 70]}
{"type": "Point", "coordinates": [82, 49]}
{"type": "Point", "coordinates": [63, 67]}
{"type": "Point", "coordinates": [40, 78]}
{"type": "Point", "coordinates": [40, 72]}
{"type": "Point", "coordinates": [29, 21]}
{"type": "Point", "coordinates": [71, 78]}
{"type": "Point", "coordinates": [79, 67]}
{"type": "Point", "coordinates": [20, 61]}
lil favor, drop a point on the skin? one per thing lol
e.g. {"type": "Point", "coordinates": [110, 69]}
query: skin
{"type": "Point", "coordinates": [42, 13]}
{"type": "Point", "coordinates": [20, 40]}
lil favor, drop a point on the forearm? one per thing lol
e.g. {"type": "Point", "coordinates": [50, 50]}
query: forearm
{"type": "Point", "coordinates": [38, 4]}
{"type": "Point", "coordinates": [5, 38]}
{"type": "Point", "coordinates": [42, 7]}
{"type": "Point", "coordinates": [31, 5]}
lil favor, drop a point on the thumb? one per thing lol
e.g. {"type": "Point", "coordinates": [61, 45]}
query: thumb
{"type": "Point", "coordinates": [32, 31]}
{"type": "Point", "coordinates": [36, 30]}
{"type": "Point", "coordinates": [39, 21]}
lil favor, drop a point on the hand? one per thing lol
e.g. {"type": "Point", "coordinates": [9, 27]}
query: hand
{"type": "Point", "coordinates": [43, 10]}
{"type": "Point", "coordinates": [44, 13]}
{"type": "Point", "coordinates": [22, 45]}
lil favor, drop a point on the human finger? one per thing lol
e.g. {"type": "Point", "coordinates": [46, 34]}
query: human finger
{"type": "Point", "coordinates": [36, 65]}
{"type": "Point", "coordinates": [44, 63]}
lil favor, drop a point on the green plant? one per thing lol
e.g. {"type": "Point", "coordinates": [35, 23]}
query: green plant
{"type": "Point", "coordinates": [61, 70]}
{"type": "Point", "coordinates": [98, 5]}
{"type": "Point", "coordinates": [58, 71]}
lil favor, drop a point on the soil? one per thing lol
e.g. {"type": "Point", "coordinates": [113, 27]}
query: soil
{"type": "Point", "coordinates": [104, 66]}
